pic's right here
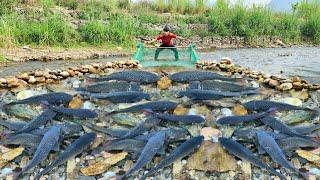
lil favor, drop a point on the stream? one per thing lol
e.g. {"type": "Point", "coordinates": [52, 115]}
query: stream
{"type": "Point", "coordinates": [286, 62]}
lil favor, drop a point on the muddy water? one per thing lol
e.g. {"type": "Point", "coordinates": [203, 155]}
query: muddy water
{"type": "Point", "coordinates": [301, 61]}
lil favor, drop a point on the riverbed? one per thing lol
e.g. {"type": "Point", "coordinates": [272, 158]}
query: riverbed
{"type": "Point", "coordinates": [286, 62]}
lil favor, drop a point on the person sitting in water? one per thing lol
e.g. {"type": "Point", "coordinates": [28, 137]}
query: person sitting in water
{"type": "Point", "coordinates": [166, 42]}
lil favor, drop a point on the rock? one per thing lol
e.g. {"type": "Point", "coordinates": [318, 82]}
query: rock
{"type": "Point", "coordinates": [296, 79]}
{"type": "Point", "coordinates": [303, 95]}
{"type": "Point", "coordinates": [226, 60]}
{"type": "Point", "coordinates": [21, 111]}
{"type": "Point", "coordinates": [76, 102]}
{"type": "Point", "coordinates": [226, 112]}
{"type": "Point", "coordinates": [10, 155]}
{"type": "Point", "coordinates": [194, 130]}
{"type": "Point", "coordinates": [177, 167]}
{"type": "Point", "coordinates": [13, 82]}
{"type": "Point", "coordinates": [211, 157]}
{"type": "Point", "coordinates": [6, 171]}
{"type": "Point", "coordinates": [3, 81]}
{"type": "Point", "coordinates": [88, 105]}
{"type": "Point", "coordinates": [297, 85]}
{"type": "Point", "coordinates": [286, 86]}
{"type": "Point", "coordinates": [25, 94]}
{"type": "Point", "coordinates": [210, 134]}
{"type": "Point", "coordinates": [315, 171]}
{"type": "Point", "coordinates": [255, 84]}
{"type": "Point", "coordinates": [310, 156]}
{"type": "Point", "coordinates": [32, 80]}
{"type": "Point", "coordinates": [41, 79]}
{"type": "Point", "coordinates": [71, 72]}
{"type": "Point", "coordinates": [273, 83]}
{"type": "Point", "coordinates": [71, 165]}
{"type": "Point", "coordinates": [164, 83]}
{"type": "Point", "coordinates": [101, 166]}
{"type": "Point", "coordinates": [23, 76]}
{"type": "Point", "coordinates": [76, 84]}
{"type": "Point", "coordinates": [292, 101]}
{"type": "Point", "coordinates": [180, 110]}
{"type": "Point", "coordinates": [65, 74]}
{"type": "Point", "coordinates": [109, 175]}
{"type": "Point", "coordinates": [297, 117]}
{"type": "Point", "coordinates": [246, 169]}
{"type": "Point", "coordinates": [239, 110]}
{"type": "Point", "coordinates": [279, 42]}
{"type": "Point", "coordinates": [38, 73]}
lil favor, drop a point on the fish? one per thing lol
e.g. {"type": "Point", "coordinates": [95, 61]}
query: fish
{"type": "Point", "coordinates": [149, 123]}
{"type": "Point", "coordinates": [143, 77]}
{"type": "Point", "coordinates": [263, 105]}
{"type": "Point", "coordinates": [180, 152]}
{"type": "Point", "coordinates": [291, 143]}
{"type": "Point", "coordinates": [107, 87]}
{"type": "Point", "coordinates": [306, 129]}
{"type": "Point", "coordinates": [250, 134]}
{"type": "Point", "coordinates": [187, 119]}
{"type": "Point", "coordinates": [24, 139]}
{"type": "Point", "coordinates": [114, 132]}
{"type": "Point", "coordinates": [232, 120]}
{"type": "Point", "coordinates": [188, 76]}
{"type": "Point", "coordinates": [130, 145]}
{"type": "Point", "coordinates": [122, 97]}
{"type": "Point", "coordinates": [272, 148]}
{"type": "Point", "coordinates": [55, 98]}
{"type": "Point", "coordinates": [38, 121]}
{"type": "Point", "coordinates": [80, 113]}
{"type": "Point", "coordinates": [172, 134]}
{"type": "Point", "coordinates": [243, 153]}
{"type": "Point", "coordinates": [198, 94]}
{"type": "Point", "coordinates": [219, 86]}
{"type": "Point", "coordinates": [49, 140]}
{"type": "Point", "coordinates": [75, 148]}
{"type": "Point", "coordinates": [155, 106]}
{"type": "Point", "coordinates": [277, 125]}
{"type": "Point", "coordinates": [68, 129]}
{"type": "Point", "coordinates": [153, 145]}
{"type": "Point", "coordinates": [12, 125]}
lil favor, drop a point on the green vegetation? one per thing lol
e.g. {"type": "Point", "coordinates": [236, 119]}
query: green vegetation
{"type": "Point", "coordinates": [67, 23]}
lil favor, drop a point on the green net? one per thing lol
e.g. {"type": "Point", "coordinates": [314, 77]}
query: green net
{"type": "Point", "coordinates": [177, 56]}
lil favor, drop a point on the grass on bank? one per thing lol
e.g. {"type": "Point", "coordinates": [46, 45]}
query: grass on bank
{"type": "Point", "coordinates": [118, 23]}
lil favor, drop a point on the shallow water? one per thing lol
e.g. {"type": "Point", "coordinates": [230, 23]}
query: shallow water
{"type": "Point", "coordinates": [301, 61]}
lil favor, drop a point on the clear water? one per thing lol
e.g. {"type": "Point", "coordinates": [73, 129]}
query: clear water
{"type": "Point", "coordinates": [285, 62]}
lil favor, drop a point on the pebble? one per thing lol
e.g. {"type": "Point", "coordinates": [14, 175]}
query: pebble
{"type": "Point", "coordinates": [210, 134]}
{"type": "Point", "coordinates": [226, 112]}
{"type": "Point", "coordinates": [315, 171]}
{"type": "Point", "coordinates": [254, 84]}
{"type": "Point", "coordinates": [292, 101]}
{"type": "Point", "coordinates": [6, 171]}
{"type": "Point", "coordinates": [25, 94]}
{"type": "Point", "coordinates": [109, 174]}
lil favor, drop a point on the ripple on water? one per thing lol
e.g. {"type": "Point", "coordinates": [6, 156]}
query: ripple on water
{"type": "Point", "coordinates": [301, 61]}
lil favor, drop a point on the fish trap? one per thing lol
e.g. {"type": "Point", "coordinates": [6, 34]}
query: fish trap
{"type": "Point", "coordinates": [168, 56]}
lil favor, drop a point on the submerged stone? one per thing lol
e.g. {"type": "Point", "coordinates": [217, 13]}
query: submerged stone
{"type": "Point", "coordinates": [212, 157]}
